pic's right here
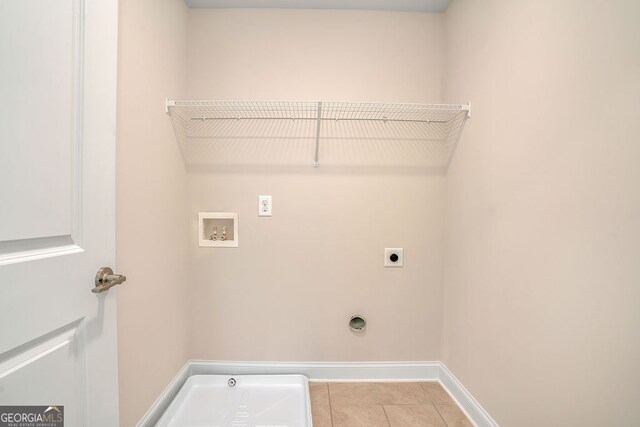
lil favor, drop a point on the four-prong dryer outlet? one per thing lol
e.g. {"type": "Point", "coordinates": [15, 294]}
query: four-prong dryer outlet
{"type": "Point", "coordinates": [393, 257]}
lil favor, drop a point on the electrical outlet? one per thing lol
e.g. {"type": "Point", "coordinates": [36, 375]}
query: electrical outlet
{"type": "Point", "coordinates": [393, 257]}
{"type": "Point", "coordinates": [264, 205]}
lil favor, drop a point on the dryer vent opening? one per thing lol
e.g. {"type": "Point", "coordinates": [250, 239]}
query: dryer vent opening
{"type": "Point", "coordinates": [357, 323]}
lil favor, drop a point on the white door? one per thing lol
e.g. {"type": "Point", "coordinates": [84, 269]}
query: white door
{"type": "Point", "coordinates": [57, 165]}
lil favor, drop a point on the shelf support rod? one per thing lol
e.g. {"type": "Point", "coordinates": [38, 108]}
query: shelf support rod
{"type": "Point", "coordinates": [316, 163]}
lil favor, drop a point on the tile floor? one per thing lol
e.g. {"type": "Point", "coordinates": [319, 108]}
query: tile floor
{"type": "Point", "coordinates": [407, 404]}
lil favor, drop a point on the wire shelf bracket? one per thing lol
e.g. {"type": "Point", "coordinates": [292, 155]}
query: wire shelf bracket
{"type": "Point", "coordinates": [316, 160]}
{"type": "Point", "coordinates": [439, 125]}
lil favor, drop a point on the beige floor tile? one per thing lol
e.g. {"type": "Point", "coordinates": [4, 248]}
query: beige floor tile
{"type": "Point", "coordinates": [358, 416]}
{"type": "Point", "coordinates": [320, 407]}
{"type": "Point", "coordinates": [437, 394]}
{"type": "Point", "coordinates": [378, 394]}
{"type": "Point", "coordinates": [413, 416]}
{"type": "Point", "coordinates": [453, 416]}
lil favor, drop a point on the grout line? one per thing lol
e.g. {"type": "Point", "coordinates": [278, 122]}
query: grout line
{"type": "Point", "coordinates": [438, 411]}
{"type": "Point", "coordinates": [429, 396]}
{"type": "Point", "coordinates": [401, 404]}
{"type": "Point", "coordinates": [386, 416]}
{"type": "Point", "coordinates": [330, 407]}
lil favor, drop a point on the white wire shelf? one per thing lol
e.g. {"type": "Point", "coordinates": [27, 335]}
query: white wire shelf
{"type": "Point", "coordinates": [425, 134]}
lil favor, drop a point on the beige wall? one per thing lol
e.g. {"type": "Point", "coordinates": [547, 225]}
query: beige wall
{"type": "Point", "coordinates": [315, 55]}
{"type": "Point", "coordinates": [543, 211]}
{"type": "Point", "coordinates": [542, 207]}
{"type": "Point", "coordinates": [151, 200]}
{"type": "Point", "coordinates": [289, 289]}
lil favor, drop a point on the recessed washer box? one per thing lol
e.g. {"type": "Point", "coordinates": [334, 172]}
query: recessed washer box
{"type": "Point", "coordinates": [218, 229]}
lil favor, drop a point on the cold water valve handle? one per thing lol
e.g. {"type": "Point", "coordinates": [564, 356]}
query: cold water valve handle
{"type": "Point", "coordinates": [105, 279]}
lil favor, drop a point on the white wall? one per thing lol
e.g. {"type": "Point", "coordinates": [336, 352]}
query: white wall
{"type": "Point", "coordinates": [151, 200]}
{"type": "Point", "coordinates": [543, 211]}
{"type": "Point", "coordinates": [289, 289]}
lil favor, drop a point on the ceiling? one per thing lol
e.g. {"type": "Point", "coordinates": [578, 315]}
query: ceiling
{"type": "Point", "coordinates": [397, 5]}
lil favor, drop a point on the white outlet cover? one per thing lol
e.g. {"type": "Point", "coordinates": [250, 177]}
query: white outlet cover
{"type": "Point", "coordinates": [388, 252]}
{"type": "Point", "coordinates": [265, 205]}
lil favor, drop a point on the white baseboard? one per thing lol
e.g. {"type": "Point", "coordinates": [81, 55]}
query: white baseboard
{"type": "Point", "coordinates": [327, 371]}
{"type": "Point", "coordinates": [474, 411]}
{"type": "Point", "coordinates": [162, 402]}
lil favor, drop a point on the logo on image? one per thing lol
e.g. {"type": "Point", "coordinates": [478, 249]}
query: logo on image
{"type": "Point", "coordinates": [32, 416]}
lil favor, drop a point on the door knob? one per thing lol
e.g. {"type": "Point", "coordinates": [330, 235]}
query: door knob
{"type": "Point", "coordinates": [105, 279]}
